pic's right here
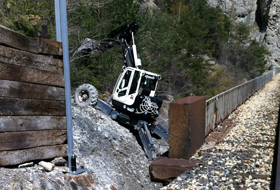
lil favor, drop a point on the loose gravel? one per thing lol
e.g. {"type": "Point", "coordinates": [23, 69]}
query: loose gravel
{"type": "Point", "coordinates": [243, 160]}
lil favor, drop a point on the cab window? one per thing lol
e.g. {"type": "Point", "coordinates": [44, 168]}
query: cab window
{"type": "Point", "coordinates": [148, 82]}
{"type": "Point", "coordinates": [134, 83]}
{"type": "Point", "coordinates": [125, 80]}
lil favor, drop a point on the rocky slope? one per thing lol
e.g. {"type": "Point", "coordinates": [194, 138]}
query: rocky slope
{"type": "Point", "coordinates": [110, 152]}
{"type": "Point", "coordinates": [262, 16]}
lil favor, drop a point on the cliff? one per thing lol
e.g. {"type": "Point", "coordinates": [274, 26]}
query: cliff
{"type": "Point", "coordinates": [262, 16]}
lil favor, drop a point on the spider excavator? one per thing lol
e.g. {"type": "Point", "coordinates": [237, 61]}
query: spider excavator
{"type": "Point", "coordinates": [133, 100]}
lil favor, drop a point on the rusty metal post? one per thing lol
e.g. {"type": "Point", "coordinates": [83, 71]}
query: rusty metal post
{"type": "Point", "coordinates": [186, 126]}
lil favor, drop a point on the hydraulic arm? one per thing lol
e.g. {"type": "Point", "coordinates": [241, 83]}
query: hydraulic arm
{"type": "Point", "coordinates": [121, 36]}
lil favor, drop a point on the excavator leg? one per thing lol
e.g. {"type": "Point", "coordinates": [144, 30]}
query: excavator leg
{"type": "Point", "coordinates": [146, 139]}
{"type": "Point", "coordinates": [160, 131]}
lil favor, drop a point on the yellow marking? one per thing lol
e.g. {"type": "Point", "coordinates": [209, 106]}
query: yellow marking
{"type": "Point", "coordinates": [145, 132]}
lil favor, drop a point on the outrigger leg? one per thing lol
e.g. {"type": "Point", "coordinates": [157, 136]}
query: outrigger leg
{"type": "Point", "coordinates": [159, 131]}
{"type": "Point", "coordinates": [146, 139]}
{"type": "Point", "coordinates": [144, 132]}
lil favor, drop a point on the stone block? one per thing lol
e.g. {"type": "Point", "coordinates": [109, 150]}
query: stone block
{"type": "Point", "coordinates": [165, 169]}
{"type": "Point", "coordinates": [186, 126]}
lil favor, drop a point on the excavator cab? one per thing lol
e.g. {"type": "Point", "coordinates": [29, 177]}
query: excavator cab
{"type": "Point", "coordinates": [135, 92]}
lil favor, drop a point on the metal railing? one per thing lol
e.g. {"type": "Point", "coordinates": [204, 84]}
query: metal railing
{"type": "Point", "coordinates": [223, 104]}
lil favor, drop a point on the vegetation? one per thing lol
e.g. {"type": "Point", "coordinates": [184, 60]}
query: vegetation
{"type": "Point", "coordinates": [196, 48]}
{"type": "Point", "coordinates": [23, 15]}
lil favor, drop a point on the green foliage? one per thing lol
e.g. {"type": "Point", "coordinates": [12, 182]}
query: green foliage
{"type": "Point", "coordinates": [198, 30]}
{"type": "Point", "coordinates": [23, 15]}
{"type": "Point", "coordinates": [175, 41]}
{"type": "Point", "coordinates": [95, 19]}
{"type": "Point", "coordinates": [218, 80]}
{"type": "Point", "coordinates": [241, 33]}
{"type": "Point", "coordinates": [245, 54]}
{"type": "Point", "coordinates": [172, 43]}
{"type": "Point", "coordinates": [254, 58]}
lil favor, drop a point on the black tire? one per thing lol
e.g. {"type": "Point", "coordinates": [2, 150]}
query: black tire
{"type": "Point", "coordinates": [86, 95]}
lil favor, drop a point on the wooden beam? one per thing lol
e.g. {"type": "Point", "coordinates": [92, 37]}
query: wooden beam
{"type": "Point", "coordinates": [34, 45]}
{"type": "Point", "coordinates": [24, 74]}
{"type": "Point", "coordinates": [39, 153]}
{"type": "Point", "coordinates": [31, 123]}
{"type": "Point", "coordinates": [31, 60]}
{"type": "Point", "coordinates": [22, 90]}
{"type": "Point", "coordinates": [30, 139]}
{"type": "Point", "coordinates": [30, 107]}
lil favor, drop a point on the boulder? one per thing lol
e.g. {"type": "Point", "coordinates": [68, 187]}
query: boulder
{"type": "Point", "coordinates": [47, 165]}
{"type": "Point", "coordinates": [59, 161]}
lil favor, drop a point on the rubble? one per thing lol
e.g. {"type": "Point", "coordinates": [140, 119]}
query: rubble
{"type": "Point", "coordinates": [29, 164]}
{"type": "Point", "coordinates": [110, 152]}
{"type": "Point", "coordinates": [47, 165]}
{"type": "Point", "coordinates": [59, 161]}
{"type": "Point", "coordinates": [63, 169]}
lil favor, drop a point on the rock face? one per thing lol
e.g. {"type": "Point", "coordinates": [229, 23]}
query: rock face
{"type": "Point", "coordinates": [242, 11]}
{"type": "Point", "coordinates": [147, 4]}
{"type": "Point", "coordinates": [272, 38]}
{"type": "Point", "coordinates": [260, 13]}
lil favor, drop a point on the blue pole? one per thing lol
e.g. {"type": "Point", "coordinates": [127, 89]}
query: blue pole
{"type": "Point", "coordinates": [57, 20]}
{"type": "Point", "coordinates": [71, 156]}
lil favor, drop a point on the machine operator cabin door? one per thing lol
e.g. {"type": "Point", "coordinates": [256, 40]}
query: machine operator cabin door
{"type": "Point", "coordinates": [123, 87]}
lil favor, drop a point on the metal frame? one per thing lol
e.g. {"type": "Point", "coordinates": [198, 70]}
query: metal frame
{"type": "Point", "coordinates": [223, 104]}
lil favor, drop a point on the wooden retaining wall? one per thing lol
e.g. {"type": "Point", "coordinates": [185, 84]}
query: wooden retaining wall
{"type": "Point", "coordinates": [32, 102]}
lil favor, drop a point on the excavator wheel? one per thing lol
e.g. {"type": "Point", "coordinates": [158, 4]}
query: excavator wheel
{"type": "Point", "coordinates": [86, 95]}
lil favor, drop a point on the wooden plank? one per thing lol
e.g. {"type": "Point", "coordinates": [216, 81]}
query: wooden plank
{"type": "Point", "coordinates": [30, 107]}
{"type": "Point", "coordinates": [30, 91]}
{"type": "Point", "coordinates": [34, 45]}
{"type": "Point", "coordinates": [32, 123]}
{"type": "Point", "coordinates": [24, 74]}
{"type": "Point", "coordinates": [30, 139]}
{"type": "Point", "coordinates": [31, 60]}
{"type": "Point", "coordinates": [39, 153]}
